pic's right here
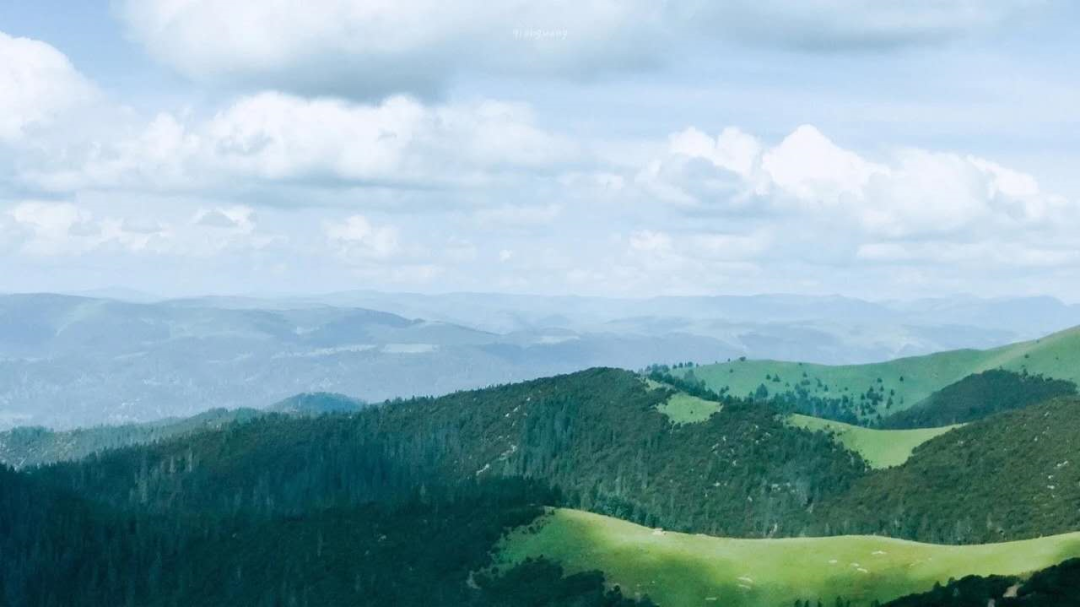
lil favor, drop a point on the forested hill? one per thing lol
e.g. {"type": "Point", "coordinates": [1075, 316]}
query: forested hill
{"type": "Point", "coordinates": [596, 434]}
{"type": "Point", "coordinates": [614, 444]}
{"type": "Point", "coordinates": [35, 446]}
{"type": "Point", "coordinates": [58, 550]}
{"type": "Point", "coordinates": [317, 403]}
{"type": "Point", "coordinates": [605, 438]}
{"type": "Point", "coordinates": [1009, 476]}
{"type": "Point", "coordinates": [978, 396]}
{"type": "Point", "coordinates": [357, 508]}
{"type": "Point", "coordinates": [1057, 586]}
{"type": "Point", "coordinates": [866, 394]}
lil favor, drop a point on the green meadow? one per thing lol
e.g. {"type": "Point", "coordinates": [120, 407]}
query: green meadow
{"type": "Point", "coordinates": [682, 408]}
{"type": "Point", "coordinates": [677, 569]}
{"type": "Point", "coordinates": [880, 448]}
{"type": "Point", "coordinates": [907, 381]}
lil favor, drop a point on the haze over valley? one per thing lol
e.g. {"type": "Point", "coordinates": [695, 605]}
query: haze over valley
{"type": "Point", "coordinates": [68, 361]}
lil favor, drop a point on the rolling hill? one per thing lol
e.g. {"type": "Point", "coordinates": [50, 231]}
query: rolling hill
{"type": "Point", "coordinates": [1010, 476]}
{"type": "Point", "coordinates": [978, 396]}
{"type": "Point", "coordinates": [317, 403]}
{"type": "Point", "coordinates": [600, 435]}
{"type": "Point", "coordinates": [877, 390]}
{"type": "Point", "coordinates": [316, 491]}
{"type": "Point", "coordinates": [35, 446]}
{"type": "Point", "coordinates": [677, 570]}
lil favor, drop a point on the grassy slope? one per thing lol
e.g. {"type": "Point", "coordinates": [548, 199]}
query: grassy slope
{"type": "Point", "coordinates": [682, 408]}
{"type": "Point", "coordinates": [1053, 356]}
{"type": "Point", "coordinates": [677, 569]}
{"type": "Point", "coordinates": [880, 448]}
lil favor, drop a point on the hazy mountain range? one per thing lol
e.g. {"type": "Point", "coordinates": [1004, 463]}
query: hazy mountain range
{"type": "Point", "coordinates": [68, 360]}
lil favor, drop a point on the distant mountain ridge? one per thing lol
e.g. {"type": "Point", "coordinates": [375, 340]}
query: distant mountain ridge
{"type": "Point", "coordinates": [70, 361]}
{"type": "Point", "coordinates": [317, 403]}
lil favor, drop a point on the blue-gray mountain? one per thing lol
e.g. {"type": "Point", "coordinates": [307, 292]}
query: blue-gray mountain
{"type": "Point", "coordinates": [74, 361]}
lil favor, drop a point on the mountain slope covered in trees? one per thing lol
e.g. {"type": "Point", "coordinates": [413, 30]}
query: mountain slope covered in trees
{"type": "Point", "coordinates": [272, 508]}
{"type": "Point", "coordinates": [978, 396]}
{"type": "Point", "coordinates": [865, 394]}
{"type": "Point", "coordinates": [58, 550]}
{"type": "Point", "coordinates": [1009, 476]}
{"type": "Point", "coordinates": [596, 434]}
{"type": "Point", "coordinates": [34, 446]}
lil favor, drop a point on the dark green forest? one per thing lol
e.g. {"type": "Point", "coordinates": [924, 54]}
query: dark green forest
{"type": "Point", "coordinates": [34, 446]}
{"type": "Point", "coordinates": [1057, 586]}
{"type": "Point", "coordinates": [978, 396]}
{"type": "Point", "coordinates": [433, 547]}
{"type": "Point", "coordinates": [595, 434]}
{"type": "Point", "coordinates": [1010, 476]}
{"type": "Point", "coordinates": [276, 509]}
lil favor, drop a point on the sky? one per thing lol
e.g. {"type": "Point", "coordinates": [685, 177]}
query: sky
{"type": "Point", "coordinates": [871, 148]}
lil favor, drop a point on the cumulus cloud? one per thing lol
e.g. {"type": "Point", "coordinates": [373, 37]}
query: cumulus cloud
{"type": "Point", "coordinates": [37, 84]}
{"type": "Point", "coordinates": [54, 228]}
{"type": "Point", "coordinates": [273, 137]}
{"type": "Point", "coordinates": [911, 193]}
{"type": "Point", "coordinates": [372, 49]}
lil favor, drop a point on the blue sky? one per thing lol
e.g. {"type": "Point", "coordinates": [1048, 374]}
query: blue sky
{"type": "Point", "coordinates": [871, 148]}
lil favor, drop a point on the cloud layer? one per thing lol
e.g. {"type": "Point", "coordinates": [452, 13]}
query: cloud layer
{"type": "Point", "coordinates": [373, 49]}
{"type": "Point", "coordinates": [274, 137]}
{"type": "Point", "coordinates": [37, 84]}
{"type": "Point", "coordinates": [271, 184]}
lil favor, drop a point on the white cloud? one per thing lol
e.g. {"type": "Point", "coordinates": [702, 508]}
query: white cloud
{"type": "Point", "coordinates": [37, 83]}
{"type": "Point", "coordinates": [272, 137]}
{"type": "Point", "coordinates": [48, 229]}
{"type": "Point", "coordinates": [55, 228]}
{"type": "Point", "coordinates": [358, 238]}
{"type": "Point", "coordinates": [236, 218]}
{"type": "Point", "coordinates": [381, 47]}
{"type": "Point", "coordinates": [813, 169]}
{"type": "Point", "coordinates": [370, 49]}
{"type": "Point", "coordinates": [733, 149]}
{"type": "Point", "coordinates": [911, 193]}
